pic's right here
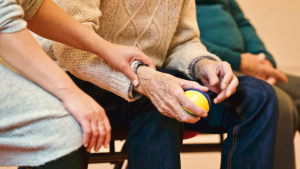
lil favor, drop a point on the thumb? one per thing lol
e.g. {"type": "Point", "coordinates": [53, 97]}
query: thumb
{"type": "Point", "coordinates": [271, 80]}
{"type": "Point", "coordinates": [261, 57]}
{"type": "Point", "coordinates": [129, 73]}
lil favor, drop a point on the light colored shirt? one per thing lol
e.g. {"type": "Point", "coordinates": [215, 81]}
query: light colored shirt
{"type": "Point", "coordinates": [13, 14]}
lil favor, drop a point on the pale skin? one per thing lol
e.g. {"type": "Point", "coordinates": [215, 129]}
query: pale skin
{"type": "Point", "coordinates": [259, 67]}
{"type": "Point", "coordinates": [21, 51]}
{"type": "Point", "coordinates": [167, 92]}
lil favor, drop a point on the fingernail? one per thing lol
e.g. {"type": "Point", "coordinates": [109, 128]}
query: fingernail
{"type": "Point", "coordinates": [228, 93]}
{"type": "Point", "coordinates": [135, 83]}
{"type": "Point", "coordinates": [204, 114]}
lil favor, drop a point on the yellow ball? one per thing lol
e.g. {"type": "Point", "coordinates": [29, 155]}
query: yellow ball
{"type": "Point", "coordinates": [200, 98]}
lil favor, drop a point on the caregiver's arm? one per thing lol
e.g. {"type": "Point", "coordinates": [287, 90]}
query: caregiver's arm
{"type": "Point", "coordinates": [22, 52]}
{"type": "Point", "coordinates": [53, 23]}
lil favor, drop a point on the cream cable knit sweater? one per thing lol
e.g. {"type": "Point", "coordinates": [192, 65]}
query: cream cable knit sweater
{"type": "Point", "coordinates": [165, 30]}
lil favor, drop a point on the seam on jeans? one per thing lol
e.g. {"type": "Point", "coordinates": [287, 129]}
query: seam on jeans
{"type": "Point", "coordinates": [234, 143]}
{"type": "Point", "coordinates": [237, 109]}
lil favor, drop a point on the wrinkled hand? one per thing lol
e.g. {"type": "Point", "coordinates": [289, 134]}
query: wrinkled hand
{"type": "Point", "coordinates": [259, 67]}
{"type": "Point", "coordinates": [167, 94]}
{"type": "Point", "coordinates": [119, 57]}
{"type": "Point", "coordinates": [217, 76]}
{"type": "Point", "coordinates": [90, 115]}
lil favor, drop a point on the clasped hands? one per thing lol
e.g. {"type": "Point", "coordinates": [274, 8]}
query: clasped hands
{"type": "Point", "coordinates": [167, 92]}
{"type": "Point", "coordinates": [259, 67]}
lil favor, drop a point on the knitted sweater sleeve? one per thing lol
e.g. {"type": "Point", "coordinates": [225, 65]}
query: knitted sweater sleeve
{"type": "Point", "coordinates": [85, 65]}
{"type": "Point", "coordinates": [185, 46]}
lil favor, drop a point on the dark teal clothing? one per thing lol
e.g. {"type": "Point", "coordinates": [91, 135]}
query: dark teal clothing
{"type": "Point", "coordinates": [226, 32]}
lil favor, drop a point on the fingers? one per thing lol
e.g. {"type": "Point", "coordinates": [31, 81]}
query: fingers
{"type": "Point", "coordinates": [104, 128]}
{"type": "Point", "coordinates": [146, 60]}
{"type": "Point", "coordinates": [101, 136]}
{"type": "Point", "coordinates": [221, 96]}
{"type": "Point", "coordinates": [127, 70]}
{"type": "Point", "coordinates": [108, 132]}
{"type": "Point", "coordinates": [228, 77]}
{"type": "Point", "coordinates": [94, 135]}
{"type": "Point", "coordinates": [87, 132]}
{"type": "Point", "coordinates": [232, 86]}
{"type": "Point", "coordinates": [185, 84]}
{"type": "Point", "coordinates": [271, 80]}
{"type": "Point", "coordinates": [212, 77]}
{"type": "Point", "coordinates": [261, 58]}
{"type": "Point", "coordinates": [271, 72]}
{"type": "Point", "coordinates": [282, 77]}
{"type": "Point", "coordinates": [189, 105]}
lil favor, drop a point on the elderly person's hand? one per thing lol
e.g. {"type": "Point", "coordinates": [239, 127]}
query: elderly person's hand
{"type": "Point", "coordinates": [167, 94]}
{"type": "Point", "coordinates": [259, 67]}
{"type": "Point", "coordinates": [217, 76]}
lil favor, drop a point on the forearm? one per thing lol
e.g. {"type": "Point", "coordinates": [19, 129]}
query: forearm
{"type": "Point", "coordinates": [51, 22]}
{"type": "Point", "coordinates": [22, 52]}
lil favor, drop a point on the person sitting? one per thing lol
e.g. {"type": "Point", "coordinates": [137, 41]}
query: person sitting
{"type": "Point", "coordinates": [50, 123]}
{"type": "Point", "coordinates": [152, 112]}
{"type": "Point", "coordinates": [227, 33]}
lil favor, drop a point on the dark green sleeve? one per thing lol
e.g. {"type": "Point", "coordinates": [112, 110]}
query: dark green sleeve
{"type": "Point", "coordinates": [225, 54]}
{"type": "Point", "coordinates": [253, 44]}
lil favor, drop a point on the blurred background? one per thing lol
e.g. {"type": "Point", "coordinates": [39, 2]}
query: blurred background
{"type": "Point", "coordinates": [278, 24]}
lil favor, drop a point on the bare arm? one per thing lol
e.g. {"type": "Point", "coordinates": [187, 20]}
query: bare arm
{"type": "Point", "coordinates": [22, 52]}
{"type": "Point", "coordinates": [53, 23]}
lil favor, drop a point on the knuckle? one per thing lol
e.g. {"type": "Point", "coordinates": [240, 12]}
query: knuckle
{"type": "Point", "coordinates": [188, 105]}
{"type": "Point", "coordinates": [102, 134]}
{"type": "Point", "coordinates": [88, 131]}
{"type": "Point", "coordinates": [169, 102]}
{"type": "Point", "coordinates": [108, 129]}
{"type": "Point", "coordinates": [123, 66]}
{"type": "Point", "coordinates": [86, 116]}
{"type": "Point", "coordinates": [184, 118]}
{"type": "Point", "coordinates": [164, 108]}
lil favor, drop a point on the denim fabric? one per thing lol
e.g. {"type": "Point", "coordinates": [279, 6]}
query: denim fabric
{"type": "Point", "coordinates": [154, 140]}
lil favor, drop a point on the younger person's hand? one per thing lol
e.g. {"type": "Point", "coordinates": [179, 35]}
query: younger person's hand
{"type": "Point", "coordinates": [120, 57]}
{"type": "Point", "coordinates": [90, 115]}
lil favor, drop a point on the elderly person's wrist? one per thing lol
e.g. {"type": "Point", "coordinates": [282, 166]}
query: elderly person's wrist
{"type": "Point", "coordinates": [195, 71]}
{"type": "Point", "coordinates": [143, 72]}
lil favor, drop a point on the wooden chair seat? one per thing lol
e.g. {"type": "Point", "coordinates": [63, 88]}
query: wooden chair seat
{"type": "Point", "coordinates": [118, 158]}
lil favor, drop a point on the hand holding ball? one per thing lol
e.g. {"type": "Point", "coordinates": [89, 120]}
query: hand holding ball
{"type": "Point", "coordinates": [200, 98]}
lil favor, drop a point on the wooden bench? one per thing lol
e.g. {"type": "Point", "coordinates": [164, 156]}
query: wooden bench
{"type": "Point", "coordinates": [118, 158]}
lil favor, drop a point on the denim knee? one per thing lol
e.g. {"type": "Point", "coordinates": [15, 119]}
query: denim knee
{"type": "Point", "coordinates": [257, 94]}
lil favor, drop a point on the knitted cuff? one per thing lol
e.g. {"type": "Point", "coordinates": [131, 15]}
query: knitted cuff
{"type": "Point", "coordinates": [133, 94]}
{"type": "Point", "coordinates": [192, 65]}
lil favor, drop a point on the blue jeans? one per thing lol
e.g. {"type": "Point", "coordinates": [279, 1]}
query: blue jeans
{"type": "Point", "coordinates": [249, 117]}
